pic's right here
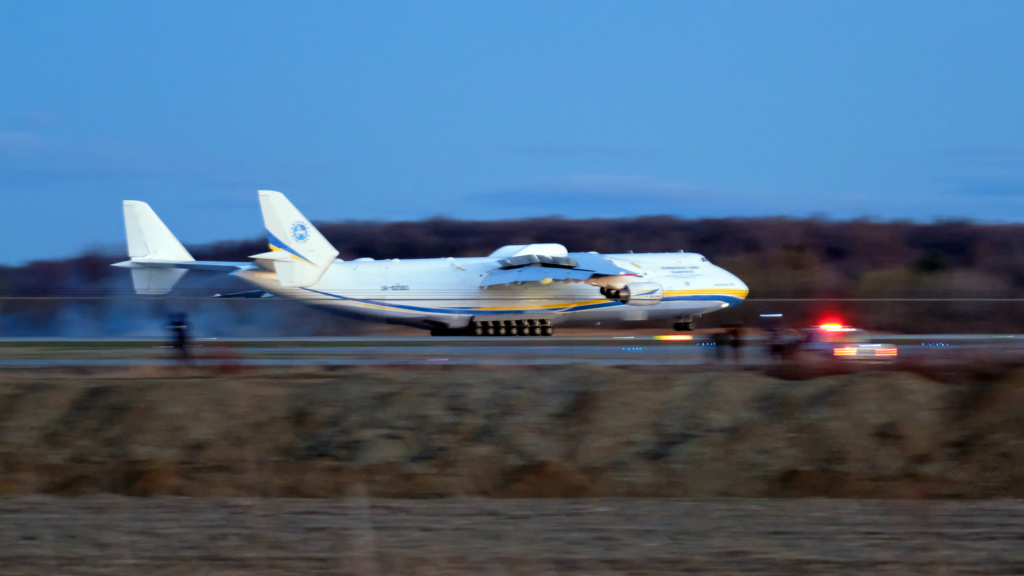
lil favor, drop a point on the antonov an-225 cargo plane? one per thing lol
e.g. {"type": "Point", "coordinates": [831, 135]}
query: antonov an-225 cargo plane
{"type": "Point", "coordinates": [517, 290]}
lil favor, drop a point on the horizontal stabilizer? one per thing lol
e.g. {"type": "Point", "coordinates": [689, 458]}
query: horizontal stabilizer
{"type": "Point", "coordinates": [274, 256]}
{"type": "Point", "coordinates": [246, 294]}
{"type": "Point", "coordinates": [204, 265]}
{"type": "Point", "coordinates": [271, 260]}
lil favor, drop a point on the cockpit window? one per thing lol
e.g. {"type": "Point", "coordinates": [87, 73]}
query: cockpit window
{"type": "Point", "coordinates": [703, 259]}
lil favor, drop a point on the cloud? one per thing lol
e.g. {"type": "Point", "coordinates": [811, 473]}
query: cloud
{"type": "Point", "coordinates": [35, 120]}
{"type": "Point", "coordinates": [574, 149]}
{"type": "Point", "coordinates": [611, 185]}
{"type": "Point", "coordinates": [981, 160]}
{"type": "Point", "coordinates": [992, 172]}
{"type": "Point", "coordinates": [20, 145]}
{"type": "Point", "coordinates": [29, 157]}
{"type": "Point", "coordinates": [1006, 188]}
{"type": "Point", "coordinates": [586, 196]}
{"type": "Point", "coordinates": [986, 156]}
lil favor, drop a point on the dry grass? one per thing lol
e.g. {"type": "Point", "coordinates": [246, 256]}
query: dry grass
{"type": "Point", "coordinates": [798, 430]}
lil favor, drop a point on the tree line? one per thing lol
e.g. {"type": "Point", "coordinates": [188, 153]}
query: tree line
{"type": "Point", "coordinates": [943, 276]}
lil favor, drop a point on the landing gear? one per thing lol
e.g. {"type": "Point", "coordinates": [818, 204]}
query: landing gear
{"type": "Point", "coordinates": [540, 327]}
{"type": "Point", "coordinates": [611, 293]}
{"type": "Point", "coordinates": [532, 328]}
{"type": "Point", "coordinates": [685, 325]}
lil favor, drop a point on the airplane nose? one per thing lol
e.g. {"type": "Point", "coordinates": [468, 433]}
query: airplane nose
{"type": "Point", "coordinates": [742, 286]}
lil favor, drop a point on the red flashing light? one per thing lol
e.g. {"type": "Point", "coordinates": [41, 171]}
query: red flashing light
{"type": "Point", "coordinates": [831, 323]}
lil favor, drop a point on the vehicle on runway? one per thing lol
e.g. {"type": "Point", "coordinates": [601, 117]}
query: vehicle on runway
{"type": "Point", "coordinates": [517, 290]}
{"type": "Point", "coordinates": [844, 342]}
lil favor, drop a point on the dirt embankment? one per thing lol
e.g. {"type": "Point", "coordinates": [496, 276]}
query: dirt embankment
{"type": "Point", "coordinates": [569, 431]}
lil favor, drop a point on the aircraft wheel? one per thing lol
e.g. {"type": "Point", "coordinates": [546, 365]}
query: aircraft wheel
{"type": "Point", "coordinates": [548, 330]}
{"type": "Point", "coordinates": [501, 330]}
{"type": "Point", "coordinates": [685, 326]}
{"type": "Point", "coordinates": [513, 330]}
{"type": "Point", "coordinates": [538, 330]}
{"type": "Point", "coordinates": [478, 330]}
{"type": "Point", "coordinates": [489, 330]}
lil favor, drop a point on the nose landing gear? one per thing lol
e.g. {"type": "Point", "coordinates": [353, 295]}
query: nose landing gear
{"type": "Point", "coordinates": [685, 324]}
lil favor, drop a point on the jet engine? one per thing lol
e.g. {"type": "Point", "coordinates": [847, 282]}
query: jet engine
{"type": "Point", "coordinates": [636, 294]}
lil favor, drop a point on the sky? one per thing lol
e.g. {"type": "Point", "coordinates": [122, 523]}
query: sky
{"type": "Point", "coordinates": [498, 110]}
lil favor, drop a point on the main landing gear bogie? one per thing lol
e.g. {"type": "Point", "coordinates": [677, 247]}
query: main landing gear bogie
{"type": "Point", "coordinates": [500, 328]}
{"type": "Point", "coordinates": [685, 326]}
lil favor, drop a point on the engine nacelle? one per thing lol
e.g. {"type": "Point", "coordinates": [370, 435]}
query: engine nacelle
{"type": "Point", "coordinates": [636, 294]}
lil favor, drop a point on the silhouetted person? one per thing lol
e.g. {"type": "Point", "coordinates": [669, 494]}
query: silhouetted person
{"type": "Point", "coordinates": [736, 342]}
{"type": "Point", "coordinates": [720, 339]}
{"type": "Point", "coordinates": [179, 335]}
{"type": "Point", "coordinates": [776, 344]}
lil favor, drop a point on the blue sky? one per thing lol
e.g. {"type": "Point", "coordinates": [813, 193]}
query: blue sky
{"type": "Point", "coordinates": [488, 110]}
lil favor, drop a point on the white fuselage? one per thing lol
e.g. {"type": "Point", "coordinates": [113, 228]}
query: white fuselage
{"type": "Point", "coordinates": [448, 292]}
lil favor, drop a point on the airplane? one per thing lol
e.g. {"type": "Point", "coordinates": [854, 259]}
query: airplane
{"type": "Point", "coordinates": [523, 290]}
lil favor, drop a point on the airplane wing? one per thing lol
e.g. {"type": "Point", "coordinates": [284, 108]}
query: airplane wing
{"type": "Point", "coordinates": [574, 267]}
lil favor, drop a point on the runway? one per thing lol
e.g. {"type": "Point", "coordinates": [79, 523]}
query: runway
{"type": "Point", "coordinates": [641, 350]}
{"type": "Point", "coordinates": [459, 536]}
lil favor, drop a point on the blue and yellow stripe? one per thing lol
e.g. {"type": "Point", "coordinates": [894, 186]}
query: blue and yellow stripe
{"type": "Point", "coordinates": [276, 245]}
{"type": "Point", "coordinates": [728, 296]}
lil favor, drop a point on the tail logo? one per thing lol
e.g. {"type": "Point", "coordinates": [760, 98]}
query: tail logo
{"type": "Point", "coordinates": [300, 232]}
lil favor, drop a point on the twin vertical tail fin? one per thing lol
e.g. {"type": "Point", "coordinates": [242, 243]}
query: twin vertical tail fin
{"type": "Point", "coordinates": [298, 252]}
{"type": "Point", "coordinates": [151, 244]}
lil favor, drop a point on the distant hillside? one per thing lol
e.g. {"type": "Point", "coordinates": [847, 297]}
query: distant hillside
{"type": "Point", "coordinates": [811, 261]}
